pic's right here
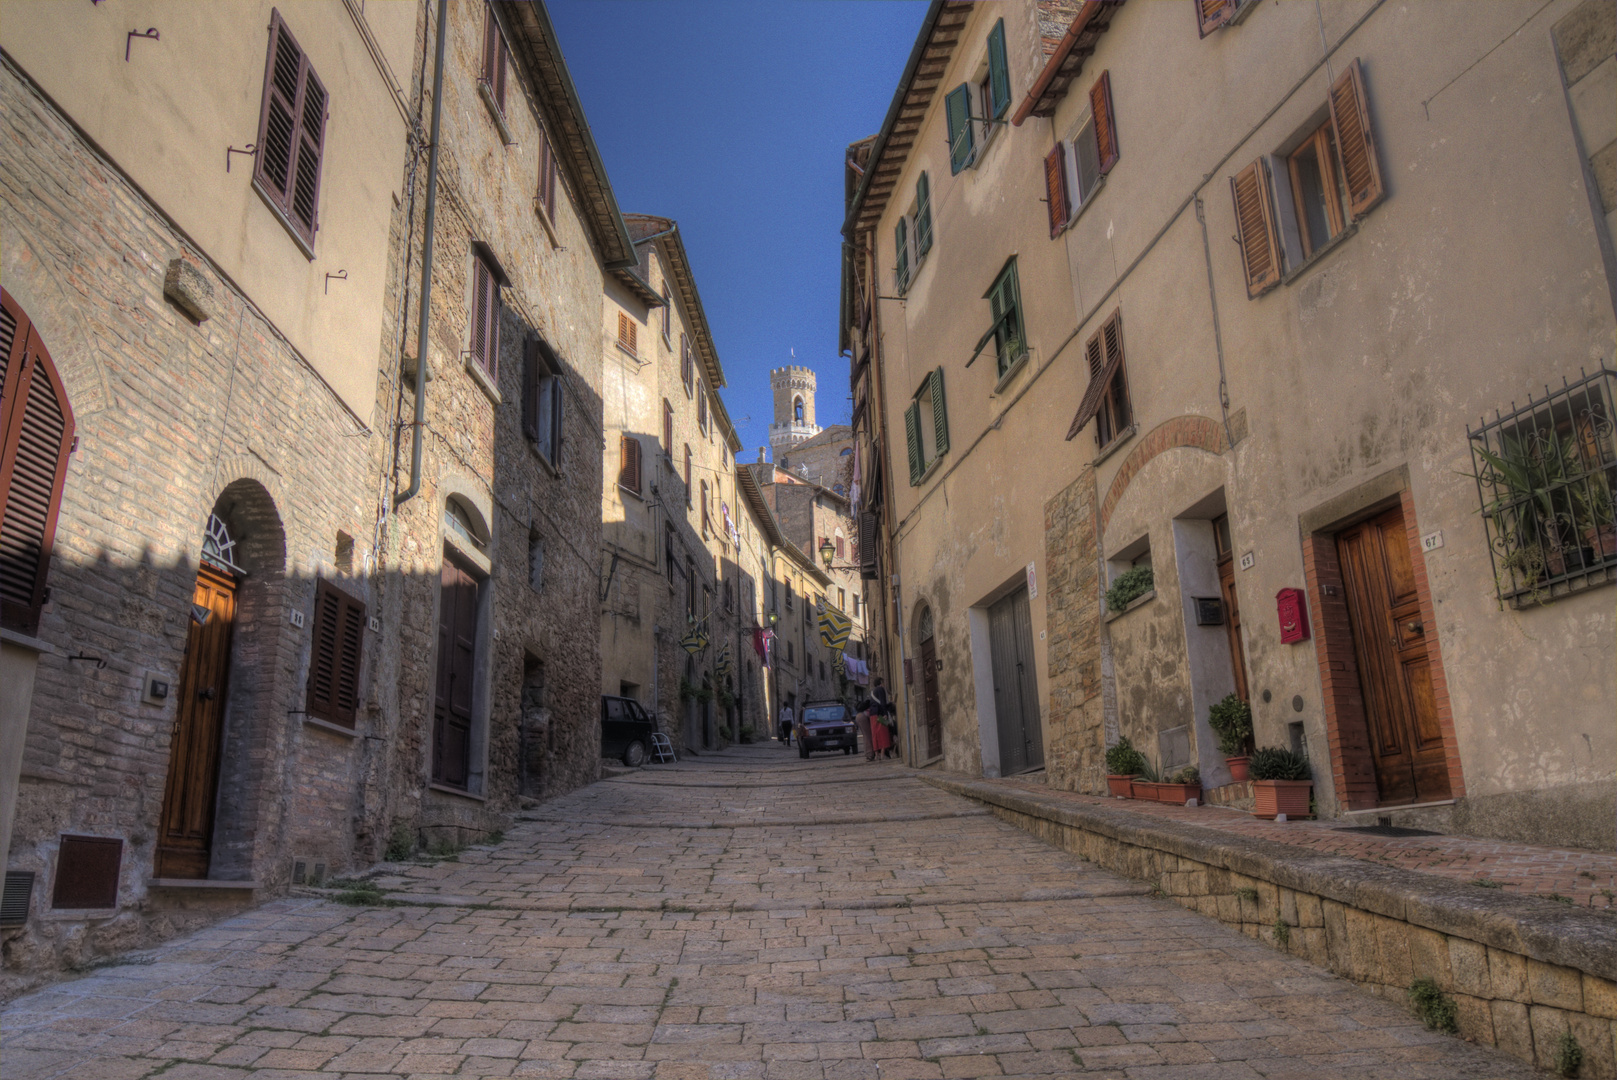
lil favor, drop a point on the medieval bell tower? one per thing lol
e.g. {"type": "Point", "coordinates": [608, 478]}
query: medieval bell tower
{"type": "Point", "coordinates": [794, 408]}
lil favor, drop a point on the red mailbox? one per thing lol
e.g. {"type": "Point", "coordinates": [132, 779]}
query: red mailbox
{"type": "Point", "coordinates": [1292, 605]}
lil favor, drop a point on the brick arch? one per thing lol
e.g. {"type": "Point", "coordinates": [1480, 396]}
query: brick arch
{"type": "Point", "coordinates": [1197, 432]}
{"type": "Point", "coordinates": [38, 286]}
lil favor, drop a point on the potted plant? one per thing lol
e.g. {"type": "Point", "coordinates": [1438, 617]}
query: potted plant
{"type": "Point", "coordinates": [1593, 499]}
{"type": "Point", "coordinates": [1231, 721]}
{"type": "Point", "coordinates": [1181, 787]}
{"type": "Point", "coordinates": [1528, 477]}
{"type": "Point", "coordinates": [1281, 783]}
{"type": "Point", "coordinates": [1129, 586]}
{"type": "Point", "coordinates": [1123, 764]}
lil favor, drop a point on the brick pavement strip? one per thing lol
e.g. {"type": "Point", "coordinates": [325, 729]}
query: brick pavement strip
{"type": "Point", "coordinates": [745, 915]}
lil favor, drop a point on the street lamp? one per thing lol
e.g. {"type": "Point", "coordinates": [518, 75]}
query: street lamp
{"type": "Point", "coordinates": [827, 552]}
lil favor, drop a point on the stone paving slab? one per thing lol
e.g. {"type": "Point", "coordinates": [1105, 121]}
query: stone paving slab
{"type": "Point", "coordinates": [613, 938]}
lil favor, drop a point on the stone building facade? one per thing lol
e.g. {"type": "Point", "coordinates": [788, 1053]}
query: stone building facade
{"type": "Point", "coordinates": [1282, 433]}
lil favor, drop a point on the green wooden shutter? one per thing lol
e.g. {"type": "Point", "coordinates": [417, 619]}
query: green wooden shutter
{"type": "Point", "coordinates": [912, 436]}
{"type": "Point", "coordinates": [999, 75]}
{"type": "Point", "coordinates": [1011, 292]}
{"type": "Point", "coordinates": [957, 107]}
{"type": "Point", "coordinates": [923, 216]}
{"type": "Point", "coordinates": [940, 415]}
{"type": "Point", "coordinates": [996, 308]}
{"type": "Point", "coordinates": [901, 271]}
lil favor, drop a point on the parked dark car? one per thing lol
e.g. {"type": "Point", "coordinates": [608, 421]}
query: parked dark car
{"type": "Point", "coordinates": [626, 730]}
{"type": "Point", "coordinates": [826, 725]}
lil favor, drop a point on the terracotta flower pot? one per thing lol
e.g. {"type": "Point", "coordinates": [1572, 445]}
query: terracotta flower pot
{"type": "Point", "coordinates": [1143, 789]}
{"type": "Point", "coordinates": [1118, 784]}
{"type": "Point", "coordinates": [1178, 794]}
{"type": "Point", "coordinates": [1602, 540]}
{"type": "Point", "coordinates": [1238, 768]}
{"type": "Point", "coordinates": [1272, 797]}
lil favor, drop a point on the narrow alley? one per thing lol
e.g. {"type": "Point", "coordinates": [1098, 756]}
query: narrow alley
{"type": "Point", "coordinates": [742, 914]}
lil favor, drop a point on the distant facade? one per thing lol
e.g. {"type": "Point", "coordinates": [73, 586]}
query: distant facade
{"type": "Point", "coordinates": [1244, 364]}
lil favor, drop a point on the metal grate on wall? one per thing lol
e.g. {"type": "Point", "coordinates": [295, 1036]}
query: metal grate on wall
{"type": "Point", "coordinates": [1546, 474]}
{"type": "Point", "coordinates": [18, 898]}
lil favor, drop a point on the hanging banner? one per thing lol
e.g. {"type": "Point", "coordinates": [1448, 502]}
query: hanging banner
{"type": "Point", "coordinates": [694, 642]}
{"type": "Point", "coordinates": [834, 628]}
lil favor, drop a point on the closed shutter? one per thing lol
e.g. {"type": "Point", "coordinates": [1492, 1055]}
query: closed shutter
{"type": "Point", "coordinates": [901, 245]}
{"type": "Point", "coordinates": [940, 414]}
{"type": "Point", "coordinates": [629, 464]}
{"type": "Point", "coordinates": [628, 332]}
{"type": "Point", "coordinates": [668, 430]}
{"type": "Point", "coordinates": [686, 368]}
{"type": "Point", "coordinates": [701, 407]}
{"type": "Point", "coordinates": [547, 177]}
{"type": "Point", "coordinates": [1212, 14]}
{"type": "Point", "coordinates": [957, 108]}
{"type": "Point", "coordinates": [1116, 378]}
{"type": "Point", "coordinates": [1055, 188]}
{"type": "Point", "coordinates": [923, 216]}
{"type": "Point", "coordinates": [482, 283]}
{"type": "Point", "coordinates": [999, 74]}
{"type": "Point", "coordinates": [912, 437]}
{"type": "Point", "coordinates": [1100, 104]}
{"type": "Point", "coordinates": [339, 633]}
{"type": "Point", "coordinates": [1101, 369]}
{"type": "Point", "coordinates": [291, 132]}
{"type": "Point", "coordinates": [1254, 225]}
{"type": "Point", "coordinates": [1351, 115]}
{"type": "Point", "coordinates": [867, 547]}
{"type": "Point", "coordinates": [36, 436]}
{"type": "Point", "coordinates": [558, 401]}
{"type": "Point", "coordinates": [530, 388]}
{"type": "Point", "coordinates": [494, 56]}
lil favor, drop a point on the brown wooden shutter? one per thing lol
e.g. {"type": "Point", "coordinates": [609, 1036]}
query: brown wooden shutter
{"type": "Point", "coordinates": [339, 633]}
{"type": "Point", "coordinates": [530, 388]}
{"type": "Point", "coordinates": [629, 463]}
{"type": "Point", "coordinates": [291, 131]}
{"type": "Point", "coordinates": [1055, 188]}
{"type": "Point", "coordinates": [494, 56]}
{"type": "Point", "coordinates": [668, 429]}
{"type": "Point", "coordinates": [482, 285]}
{"type": "Point", "coordinates": [1100, 103]}
{"type": "Point", "coordinates": [1116, 383]}
{"type": "Point", "coordinates": [1350, 113]}
{"type": "Point", "coordinates": [547, 177]}
{"type": "Point", "coordinates": [36, 436]}
{"type": "Point", "coordinates": [311, 145]}
{"type": "Point", "coordinates": [1102, 363]}
{"type": "Point", "coordinates": [868, 543]}
{"type": "Point", "coordinates": [1255, 227]}
{"type": "Point", "coordinates": [1212, 14]}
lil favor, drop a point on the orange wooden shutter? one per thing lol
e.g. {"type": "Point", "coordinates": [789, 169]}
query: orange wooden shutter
{"type": "Point", "coordinates": [1212, 14]}
{"type": "Point", "coordinates": [629, 464]}
{"type": "Point", "coordinates": [1100, 103]}
{"type": "Point", "coordinates": [1103, 352]}
{"type": "Point", "coordinates": [1351, 115]}
{"type": "Point", "coordinates": [339, 633]}
{"type": "Point", "coordinates": [36, 436]}
{"type": "Point", "coordinates": [1255, 225]}
{"type": "Point", "coordinates": [1055, 188]}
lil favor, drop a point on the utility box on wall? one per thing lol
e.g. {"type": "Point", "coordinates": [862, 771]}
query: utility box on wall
{"type": "Point", "coordinates": [1292, 606]}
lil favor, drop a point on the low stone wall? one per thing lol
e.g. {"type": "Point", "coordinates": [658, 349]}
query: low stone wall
{"type": "Point", "coordinates": [1522, 971]}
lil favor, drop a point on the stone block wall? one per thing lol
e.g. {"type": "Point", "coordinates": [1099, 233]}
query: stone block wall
{"type": "Point", "coordinates": [1075, 744]}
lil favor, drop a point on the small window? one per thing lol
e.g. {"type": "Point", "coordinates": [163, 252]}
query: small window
{"type": "Point", "coordinates": [629, 463]}
{"type": "Point", "coordinates": [496, 57]}
{"type": "Point", "coordinates": [926, 426]}
{"type": "Point", "coordinates": [1212, 14]}
{"type": "Point", "coordinates": [687, 475]}
{"type": "Point", "coordinates": [542, 399]}
{"type": "Point", "coordinates": [841, 546]}
{"type": "Point", "coordinates": [338, 634]}
{"type": "Point", "coordinates": [536, 561]}
{"type": "Point", "coordinates": [974, 108]}
{"type": "Point", "coordinates": [1221, 538]}
{"type": "Point", "coordinates": [856, 605]}
{"type": "Point", "coordinates": [705, 523]}
{"type": "Point", "coordinates": [545, 196]}
{"type": "Point", "coordinates": [485, 316]}
{"type": "Point", "coordinates": [668, 316]}
{"type": "Point", "coordinates": [687, 365]}
{"type": "Point", "coordinates": [1005, 309]}
{"type": "Point", "coordinates": [628, 334]}
{"type": "Point", "coordinates": [701, 407]}
{"type": "Point", "coordinates": [668, 430]}
{"type": "Point", "coordinates": [797, 411]}
{"type": "Point", "coordinates": [1074, 169]}
{"type": "Point", "coordinates": [668, 553]}
{"type": "Point", "coordinates": [1316, 190]}
{"type": "Point", "coordinates": [842, 599]}
{"type": "Point", "coordinates": [1107, 398]}
{"type": "Point", "coordinates": [912, 236]}
{"type": "Point", "coordinates": [291, 136]}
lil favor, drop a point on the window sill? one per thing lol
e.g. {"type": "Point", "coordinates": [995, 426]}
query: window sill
{"type": "Point", "coordinates": [96, 914]}
{"type": "Point", "coordinates": [203, 884]}
{"type": "Point", "coordinates": [461, 792]}
{"type": "Point", "coordinates": [624, 489]}
{"type": "Point", "coordinates": [1308, 263]}
{"type": "Point", "coordinates": [23, 641]}
{"type": "Point", "coordinates": [487, 94]}
{"type": "Point", "coordinates": [926, 473]}
{"type": "Point", "coordinates": [482, 379]}
{"type": "Point", "coordinates": [1100, 186]}
{"type": "Point", "coordinates": [548, 221]}
{"type": "Point", "coordinates": [1117, 442]}
{"type": "Point", "coordinates": [1139, 601]}
{"type": "Point", "coordinates": [1012, 372]}
{"type": "Point", "coordinates": [327, 725]}
{"type": "Point", "coordinates": [286, 223]}
{"type": "Point", "coordinates": [626, 351]}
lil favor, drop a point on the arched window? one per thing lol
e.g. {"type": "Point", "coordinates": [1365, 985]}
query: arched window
{"type": "Point", "coordinates": [36, 436]}
{"type": "Point", "coordinates": [797, 410]}
{"type": "Point", "coordinates": [924, 631]}
{"type": "Point", "coordinates": [219, 547]}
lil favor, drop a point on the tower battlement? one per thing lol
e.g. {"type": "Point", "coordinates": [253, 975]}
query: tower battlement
{"type": "Point", "coordinates": [793, 387]}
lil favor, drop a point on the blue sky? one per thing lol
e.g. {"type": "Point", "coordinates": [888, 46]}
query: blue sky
{"type": "Point", "coordinates": [732, 118]}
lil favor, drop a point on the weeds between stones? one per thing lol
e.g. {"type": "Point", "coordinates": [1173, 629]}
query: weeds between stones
{"type": "Point", "coordinates": [1435, 1008]}
{"type": "Point", "coordinates": [1247, 894]}
{"type": "Point", "coordinates": [1568, 1055]}
{"type": "Point", "coordinates": [401, 845]}
{"type": "Point", "coordinates": [363, 894]}
{"type": "Point", "coordinates": [1486, 883]}
{"type": "Point", "coordinates": [1282, 932]}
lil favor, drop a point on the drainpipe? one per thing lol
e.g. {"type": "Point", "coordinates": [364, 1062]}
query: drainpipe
{"type": "Point", "coordinates": [426, 268]}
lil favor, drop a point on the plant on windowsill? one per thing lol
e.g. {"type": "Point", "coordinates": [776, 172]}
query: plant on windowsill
{"type": "Point", "coordinates": [1129, 586]}
{"type": "Point", "coordinates": [1231, 721]}
{"type": "Point", "coordinates": [1123, 764]}
{"type": "Point", "coordinates": [1532, 478]}
{"type": "Point", "coordinates": [1281, 783]}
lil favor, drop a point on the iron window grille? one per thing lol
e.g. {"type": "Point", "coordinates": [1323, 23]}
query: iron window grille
{"type": "Point", "coordinates": [1546, 474]}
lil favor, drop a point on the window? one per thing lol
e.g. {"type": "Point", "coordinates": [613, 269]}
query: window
{"type": "Point", "coordinates": [926, 426]}
{"type": "Point", "coordinates": [797, 410]}
{"type": "Point", "coordinates": [485, 314]}
{"type": "Point", "coordinates": [668, 552]}
{"type": "Point", "coordinates": [545, 197]}
{"type": "Point", "coordinates": [291, 136]}
{"type": "Point", "coordinates": [791, 656]}
{"type": "Point", "coordinates": [36, 436]}
{"type": "Point", "coordinates": [1074, 169]}
{"type": "Point", "coordinates": [842, 599]}
{"type": "Point", "coordinates": [687, 474]}
{"type": "Point", "coordinates": [687, 366]}
{"type": "Point", "coordinates": [705, 525]}
{"type": "Point", "coordinates": [912, 236]}
{"type": "Point", "coordinates": [690, 590]}
{"type": "Point", "coordinates": [1107, 398]}
{"type": "Point", "coordinates": [536, 560]}
{"type": "Point", "coordinates": [1212, 14]}
{"type": "Point", "coordinates": [1289, 206]}
{"type": "Point", "coordinates": [542, 399]}
{"type": "Point", "coordinates": [668, 315]}
{"type": "Point", "coordinates": [856, 604]}
{"type": "Point", "coordinates": [701, 407]}
{"type": "Point", "coordinates": [338, 633]}
{"type": "Point", "coordinates": [972, 108]}
{"type": "Point", "coordinates": [629, 464]}
{"type": "Point", "coordinates": [729, 600]}
{"type": "Point", "coordinates": [495, 60]}
{"type": "Point", "coordinates": [841, 545]}
{"type": "Point", "coordinates": [668, 430]}
{"type": "Point", "coordinates": [1005, 308]}
{"type": "Point", "coordinates": [628, 334]}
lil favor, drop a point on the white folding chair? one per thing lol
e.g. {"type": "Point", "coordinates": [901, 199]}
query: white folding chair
{"type": "Point", "coordinates": [662, 750]}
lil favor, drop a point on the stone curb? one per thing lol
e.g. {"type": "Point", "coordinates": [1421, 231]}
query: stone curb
{"type": "Point", "coordinates": [1571, 938]}
{"type": "Point", "coordinates": [799, 823]}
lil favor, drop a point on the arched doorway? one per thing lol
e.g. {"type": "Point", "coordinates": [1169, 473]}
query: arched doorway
{"type": "Point", "coordinates": [931, 712]}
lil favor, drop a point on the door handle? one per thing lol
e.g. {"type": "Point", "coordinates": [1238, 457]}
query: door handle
{"type": "Point", "coordinates": [1416, 627]}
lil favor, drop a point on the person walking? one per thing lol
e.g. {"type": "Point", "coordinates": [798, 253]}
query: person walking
{"type": "Point", "coordinates": [882, 715]}
{"type": "Point", "coordinates": [787, 717]}
{"type": "Point", "coordinates": [863, 721]}
{"type": "Point", "coordinates": [881, 735]}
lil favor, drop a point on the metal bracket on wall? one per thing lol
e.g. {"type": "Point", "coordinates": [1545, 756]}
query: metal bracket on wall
{"type": "Point", "coordinates": [250, 150]}
{"type": "Point", "coordinates": [129, 39]}
{"type": "Point", "coordinates": [340, 275]}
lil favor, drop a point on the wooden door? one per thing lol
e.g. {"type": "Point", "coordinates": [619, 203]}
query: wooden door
{"type": "Point", "coordinates": [185, 837]}
{"type": "Point", "coordinates": [1016, 701]}
{"type": "Point", "coordinates": [929, 698]}
{"type": "Point", "coordinates": [1232, 623]}
{"type": "Point", "coordinates": [457, 649]}
{"type": "Point", "coordinates": [1389, 645]}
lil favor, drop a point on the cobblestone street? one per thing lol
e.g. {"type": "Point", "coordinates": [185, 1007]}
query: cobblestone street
{"type": "Point", "coordinates": [744, 914]}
